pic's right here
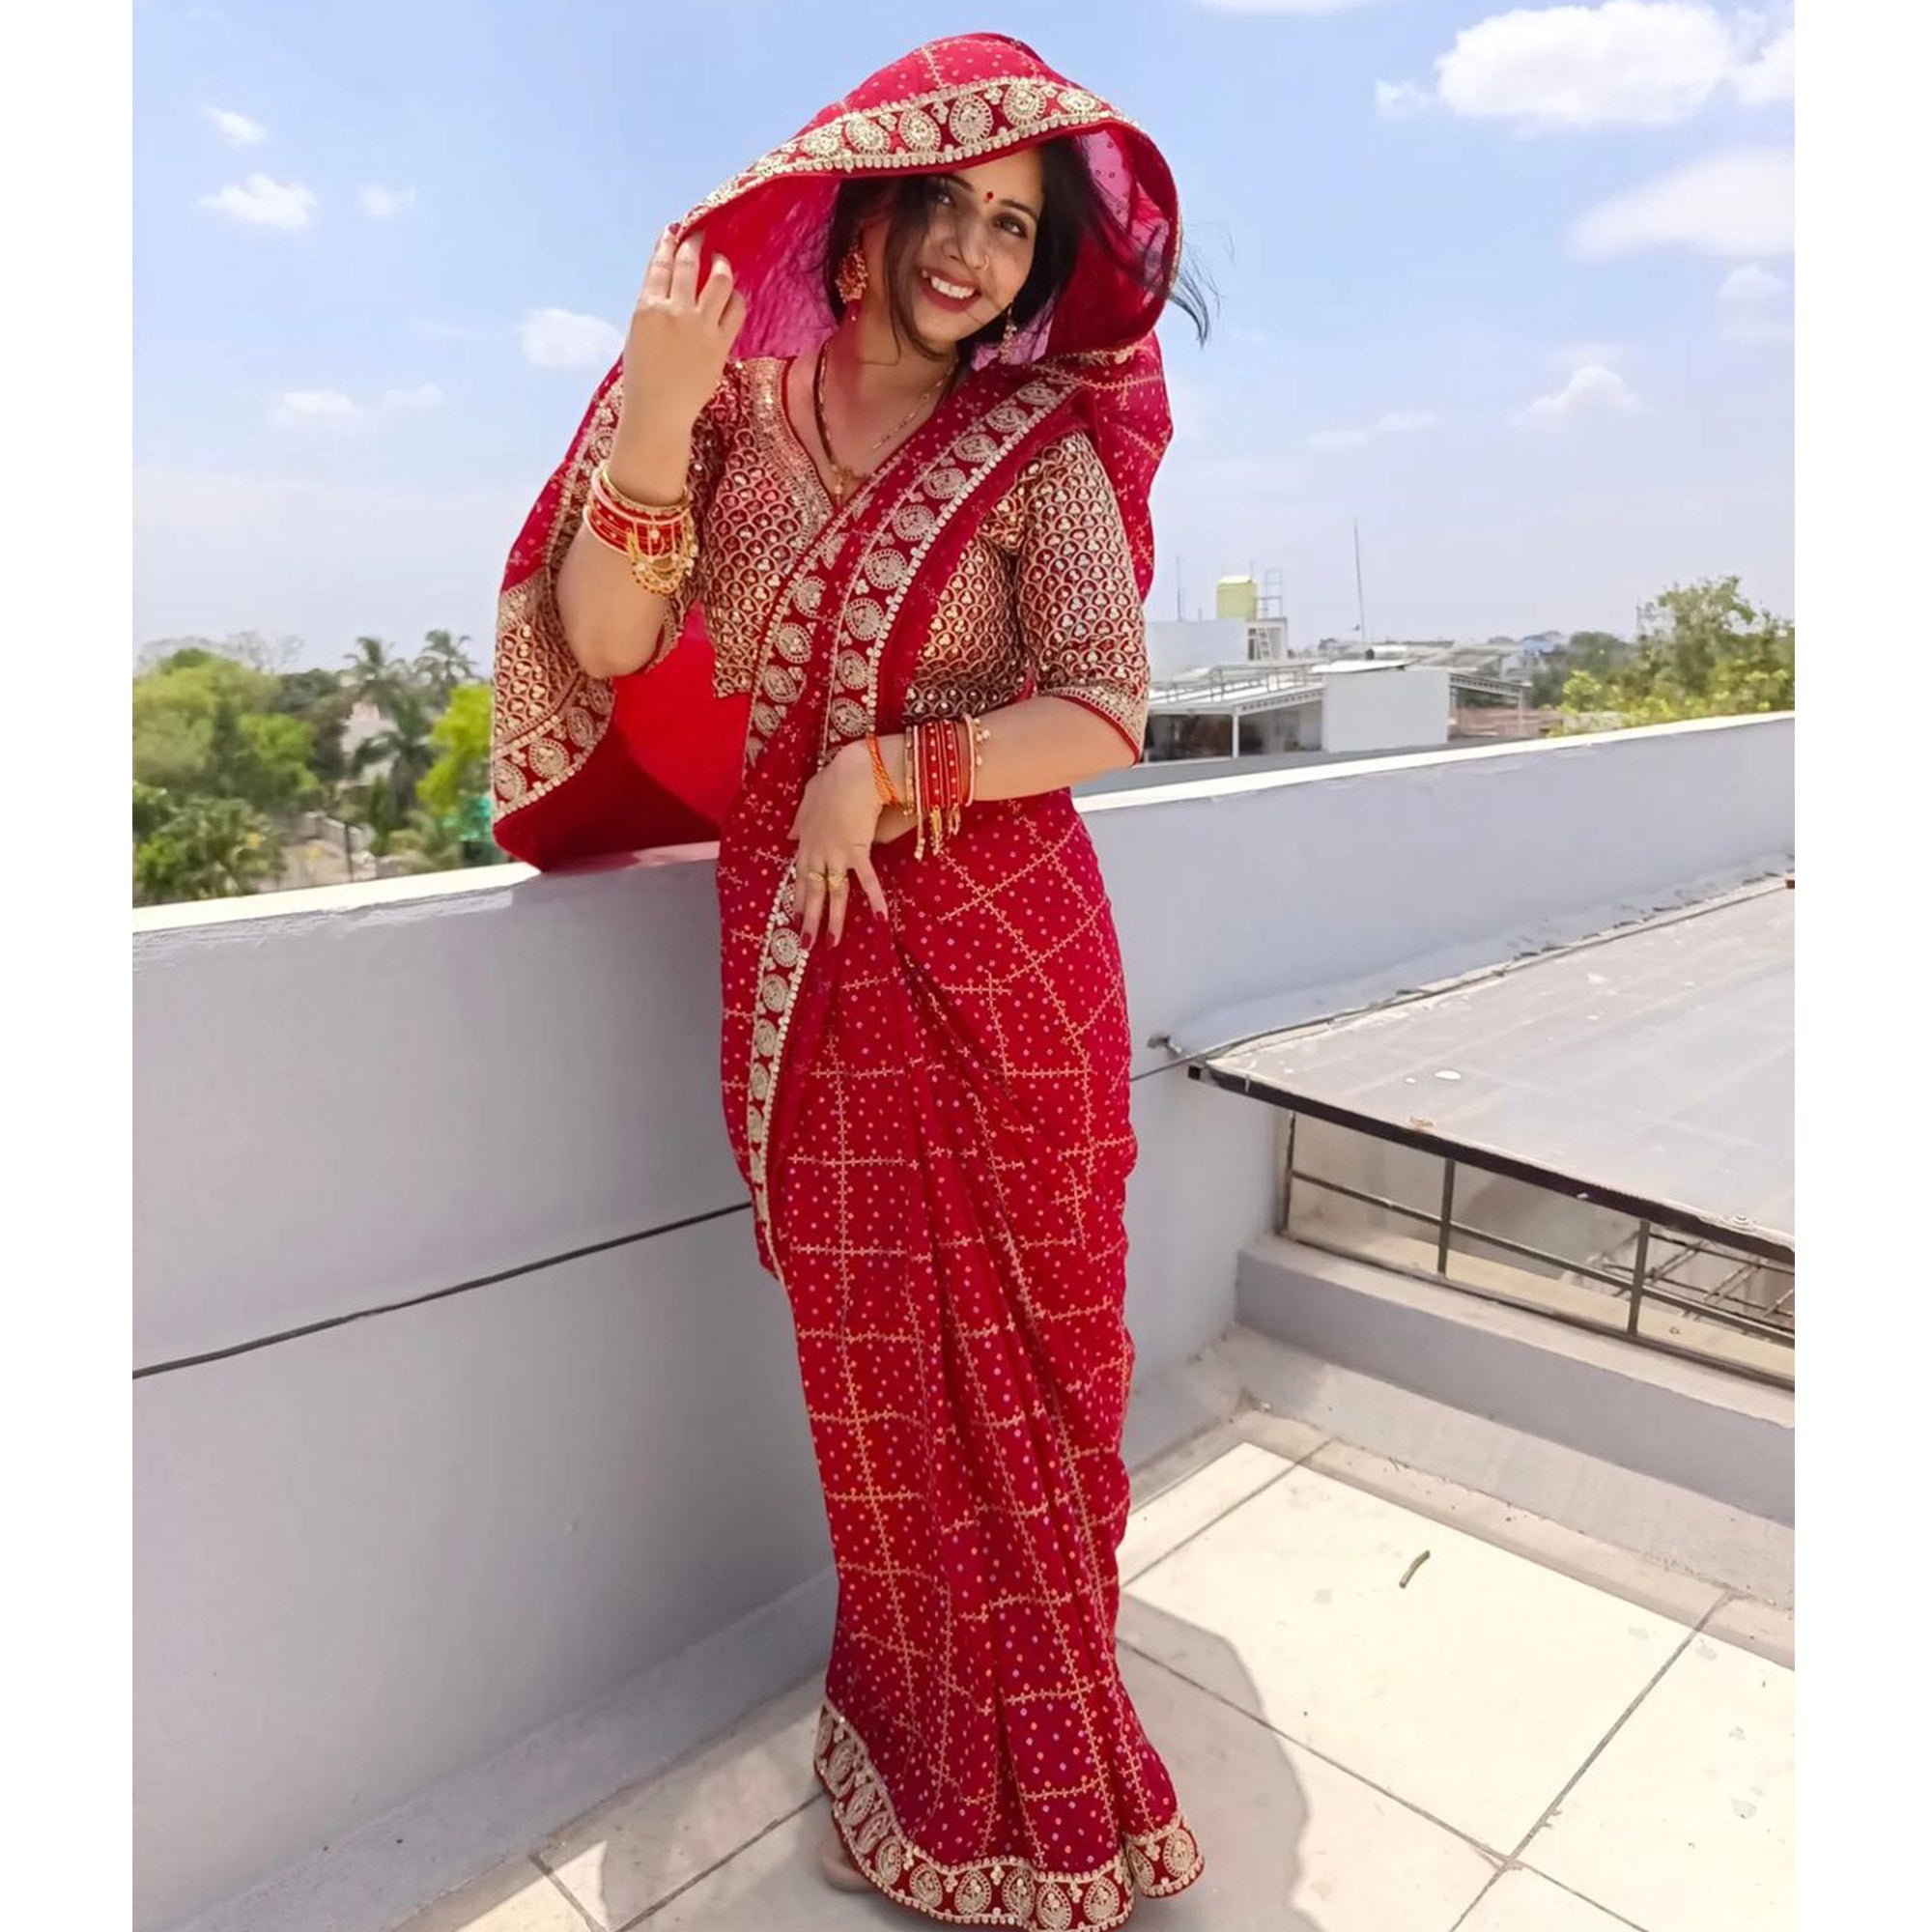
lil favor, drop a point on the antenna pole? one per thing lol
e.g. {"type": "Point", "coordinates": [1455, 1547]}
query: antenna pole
{"type": "Point", "coordinates": [1361, 608]}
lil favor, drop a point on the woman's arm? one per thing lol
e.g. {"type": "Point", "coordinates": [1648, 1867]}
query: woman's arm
{"type": "Point", "coordinates": [674, 357]}
{"type": "Point", "coordinates": [610, 624]}
{"type": "Point", "coordinates": [1040, 743]}
{"type": "Point", "coordinates": [1085, 635]}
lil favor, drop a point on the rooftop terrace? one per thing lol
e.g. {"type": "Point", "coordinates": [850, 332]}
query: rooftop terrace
{"type": "Point", "coordinates": [1390, 1703]}
{"type": "Point", "coordinates": [481, 1572]}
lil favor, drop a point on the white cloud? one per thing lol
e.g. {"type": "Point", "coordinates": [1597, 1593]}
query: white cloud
{"type": "Point", "coordinates": [1392, 422]}
{"type": "Point", "coordinates": [1591, 390]}
{"type": "Point", "coordinates": [1626, 63]}
{"type": "Point", "coordinates": [558, 338]}
{"type": "Point", "coordinates": [1750, 283]}
{"type": "Point", "coordinates": [1570, 356]}
{"type": "Point", "coordinates": [307, 409]}
{"type": "Point", "coordinates": [1335, 439]}
{"type": "Point", "coordinates": [1751, 301]}
{"type": "Point", "coordinates": [237, 130]}
{"type": "Point", "coordinates": [265, 203]}
{"type": "Point", "coordinates": [1773, 75]}
{"type": "Point", "coordinates": [1736, 202]}
{"type": "Point", "coordinates": [384, 203]}
{"type": "Point", "coordinates": [1397, 100]}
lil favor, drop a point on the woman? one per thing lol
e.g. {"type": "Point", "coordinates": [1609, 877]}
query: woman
{"type": "Point", "coordinates": [879, 572]}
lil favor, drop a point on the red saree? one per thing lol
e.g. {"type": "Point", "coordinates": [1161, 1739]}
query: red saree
{"type": "Point", "coordinates": [932, 1118]}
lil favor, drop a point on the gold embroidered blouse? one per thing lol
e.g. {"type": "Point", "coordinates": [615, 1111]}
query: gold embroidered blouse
{"type": "Point", "coordinates": [1042, 601]}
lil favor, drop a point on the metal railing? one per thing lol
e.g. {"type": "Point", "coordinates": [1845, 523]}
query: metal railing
{"type": "Point", "coordinates": [1224, 682]}
{"type": "Point", "coordinates": [1645, 1280]}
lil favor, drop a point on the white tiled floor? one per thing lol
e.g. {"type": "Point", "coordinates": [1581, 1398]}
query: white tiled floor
{"type": "Point", "coordinates": [1522, 1902]}
{"type": "Point", "coordinates": [645, 1844]}
{"type": "Point", "coordinates": [1357, 1752]}
{"type": "Point", "coordinates": [1471, 1692]}
{"type": "Point", "coordinates": [1701, 1779]}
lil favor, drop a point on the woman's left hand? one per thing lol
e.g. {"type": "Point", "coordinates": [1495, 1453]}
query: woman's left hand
{"type": "Point", "coordinates": [836, 818]}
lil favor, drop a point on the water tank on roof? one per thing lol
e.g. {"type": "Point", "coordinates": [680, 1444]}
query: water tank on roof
{"type": "Point", "coordinates": [1236, 597]}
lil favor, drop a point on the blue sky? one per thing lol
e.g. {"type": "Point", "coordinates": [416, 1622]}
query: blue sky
{"type": "Point", "coordinates": [1512, 286]}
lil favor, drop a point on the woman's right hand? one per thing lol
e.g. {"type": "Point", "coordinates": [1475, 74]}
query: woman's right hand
{"type": "Point", "coordinates": [679, 339]}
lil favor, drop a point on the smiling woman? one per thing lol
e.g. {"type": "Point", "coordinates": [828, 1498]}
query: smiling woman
{"type": "Point", "coordinates": [855, 540]}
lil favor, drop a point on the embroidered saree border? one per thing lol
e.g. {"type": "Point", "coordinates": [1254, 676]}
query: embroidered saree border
{"type": "Point", "coordinates": [1155, 1865]}
{"type": "Point", "coordinates": [889, 564]}
{"type": "Point", "coordinates": [551, 713]}
{"type": "Point", "coordinates": [927, 131]}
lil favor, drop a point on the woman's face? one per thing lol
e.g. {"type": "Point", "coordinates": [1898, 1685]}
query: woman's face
{"type": "Point", "coordinates": [977, 251]}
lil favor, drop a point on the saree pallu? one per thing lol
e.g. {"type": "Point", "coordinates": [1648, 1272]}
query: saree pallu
{"type": "Point", "coordinates": [933, 1120]}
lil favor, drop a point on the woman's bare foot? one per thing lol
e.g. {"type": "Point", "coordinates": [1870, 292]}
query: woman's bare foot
{"type": "Point", "coordinates": [836, 1863]}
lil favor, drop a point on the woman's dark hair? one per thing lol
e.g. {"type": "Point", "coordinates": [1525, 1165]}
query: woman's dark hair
{"type": "Point", "coordinates": [1073, 212]}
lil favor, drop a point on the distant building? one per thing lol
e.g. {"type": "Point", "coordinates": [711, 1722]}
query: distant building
{"type": "Point", "coordinates": [1247, 627]}
{"type": "Point", "coordinates": [1528, 652]}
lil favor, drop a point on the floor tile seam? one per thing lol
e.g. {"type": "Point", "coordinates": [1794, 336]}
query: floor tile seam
{"type": "Point", "coordinates": [571, 1899]}
{"type": "Point", "coordinates": [1280, 1475]}
{"type": "Point", "coordinates": [1497, 1878]}
{"type": "Point", "coordinates": [677, 1892]}
{"type": "Point", "coordinates": [1582, 1897]}
{"type": "Point", "coordinates": [692, 1756]}
{"type": "Point", "coordinates": [1195, 1441]}
{"type": "Point", "coordinates": [1483, 1534]}
{"type": "Point", "coordinates": [1496, 1860]}
{"type": "Point", "coordinates": [1489, 1885]}
{"type": "Point", "coordinates": [1602, 1744]}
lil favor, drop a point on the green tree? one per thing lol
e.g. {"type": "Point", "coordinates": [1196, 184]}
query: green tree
{"type": "Point", "coordinates": [176, 708]}
{"type": "Point", "coordinates": [443, 665]}
{"type": "Point", "coordinates": [457, 786]}
{"type": "Point", "coordinates": [401, 755]}
{"type": "Point", "coordinates": [199, 848]}
{"type": "Point", "coordinates": [1705, 652]}
{"type": "Point", "coordinates": [1596, 652]}
{"type": "Point", "coordinates": [427, 843]}
{"type": "Point", "coordinates": [376, 677]}
{"type": "Point", "coordinates": [460, 773]}
{"type": "Point", "coordinates": [320, 700]}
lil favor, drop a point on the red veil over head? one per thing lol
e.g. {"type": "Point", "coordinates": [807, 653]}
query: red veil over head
{"type": "Point", "coordinates": [583, 767]}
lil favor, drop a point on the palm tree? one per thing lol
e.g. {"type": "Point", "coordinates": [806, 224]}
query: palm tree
{"type": "Point", "coordinates": [402, 752]}
{"type": "Point", "coordinates": [426, 845]}
{"type": "Point", "coordinates": [374, 676]}
{"type": "Point", "coordinates": [442, 664]}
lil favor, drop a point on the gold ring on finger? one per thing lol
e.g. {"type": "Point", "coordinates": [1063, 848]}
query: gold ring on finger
{"type": "Point", "coordinates": [838, 884]}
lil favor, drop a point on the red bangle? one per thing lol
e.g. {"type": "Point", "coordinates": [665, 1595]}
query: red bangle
{"type": "Point", "coordinates": [655, 536]}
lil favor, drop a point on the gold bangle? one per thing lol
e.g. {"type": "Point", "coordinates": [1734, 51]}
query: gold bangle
{"type": "Point", "coordinates": [661, 512]}
{"type": "Point", "coordinates": [660, 572]}
{"type": "Point", "coordinates": [663, 576]}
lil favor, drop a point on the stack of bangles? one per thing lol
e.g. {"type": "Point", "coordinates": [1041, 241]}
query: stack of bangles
{"type": "Point", "coordinates": [660, 540]}
{"type": "Point", "coordinates": [942, 760]}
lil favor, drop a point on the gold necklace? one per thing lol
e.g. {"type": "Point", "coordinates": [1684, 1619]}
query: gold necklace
{"type": "Point", "coordinates": [842, 478]}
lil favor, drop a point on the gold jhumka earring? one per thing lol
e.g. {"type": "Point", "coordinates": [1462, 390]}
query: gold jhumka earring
{"type": "Point", "coordinates": [852, 279]}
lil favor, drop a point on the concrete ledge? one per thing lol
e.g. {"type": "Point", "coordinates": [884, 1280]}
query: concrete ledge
{"type": "Point", "coordinates": [1348, 1416]}
{"type": "Point", "coordinates": [384, 1871]}
{"type": "Point", "coordinates": [1694, 1427]}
